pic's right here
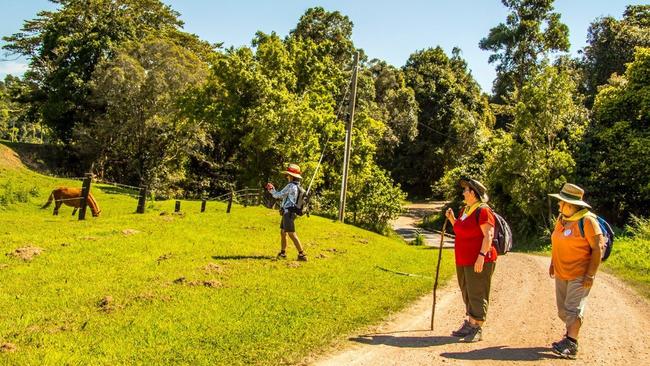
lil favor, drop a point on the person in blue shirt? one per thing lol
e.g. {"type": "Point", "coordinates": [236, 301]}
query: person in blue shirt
{"type": "Point", "coordinates": [289, 196]}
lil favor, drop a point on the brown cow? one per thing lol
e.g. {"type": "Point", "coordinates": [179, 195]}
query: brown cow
{"type": "Point", "coordinates": [72, 198]}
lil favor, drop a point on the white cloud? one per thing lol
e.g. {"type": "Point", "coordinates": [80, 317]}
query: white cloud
{"type": "Point", "coordinates": [16, 68]}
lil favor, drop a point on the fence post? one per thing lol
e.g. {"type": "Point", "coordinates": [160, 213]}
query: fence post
{"type": "Point", "coordinates": [230, 201]}
{"type": "Point", "coordinates": [203, 205]}
{"type": "Point", "coordinates": [141, 200]}
{"type": "Point", "coordinates": [85, 189]}
{"type": "Point", "coordinates": [177, 208]}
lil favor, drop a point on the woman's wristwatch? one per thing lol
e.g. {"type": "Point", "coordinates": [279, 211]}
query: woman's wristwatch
{"type": "Point", "coordinates": [481, 254]}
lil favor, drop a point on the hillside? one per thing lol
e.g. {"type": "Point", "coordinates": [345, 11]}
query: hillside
{"type": "Point", "coordinates": [197, 288]}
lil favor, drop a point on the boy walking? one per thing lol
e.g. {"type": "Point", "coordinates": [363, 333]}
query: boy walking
{"type": "Point", "coordinates": [289, 196]}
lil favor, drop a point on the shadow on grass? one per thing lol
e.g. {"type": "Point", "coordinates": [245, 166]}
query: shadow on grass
{"type": "Point", "coordinates": [405, 341]}
{"type": "Point", "coordinates": [503, 353]}
{"type": "Point", "coordinates": [239, 257]}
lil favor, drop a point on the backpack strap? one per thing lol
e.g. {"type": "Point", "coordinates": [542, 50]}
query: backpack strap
{"type": "Point", "coordinates": [581, 223]}
{"type": "Point", "coordinates": [581, 226]}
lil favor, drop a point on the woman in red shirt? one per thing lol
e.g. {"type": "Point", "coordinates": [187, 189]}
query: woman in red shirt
{"type": "Point", "coordinates": [475, 257]}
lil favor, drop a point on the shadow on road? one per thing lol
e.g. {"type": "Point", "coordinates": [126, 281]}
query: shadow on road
{"type": "Point", "coordinates": [405, 341]}
{"type": "Point", "coordinates": [503, 353]}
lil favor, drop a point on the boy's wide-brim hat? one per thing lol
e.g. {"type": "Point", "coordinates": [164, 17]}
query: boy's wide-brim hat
{"type": "Point", "coordinates": [293, 170]}
{"type": "Point", "coordinates": [572, 194]}
{"type": "Point", "coordinates": [477, 186]}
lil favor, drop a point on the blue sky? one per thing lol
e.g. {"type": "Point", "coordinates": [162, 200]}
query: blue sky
{"type": "Point", "coordinates": [387, 30]}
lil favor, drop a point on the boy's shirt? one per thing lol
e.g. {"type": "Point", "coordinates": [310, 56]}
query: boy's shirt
{"type": "Point", "coordinates": [289, 195]}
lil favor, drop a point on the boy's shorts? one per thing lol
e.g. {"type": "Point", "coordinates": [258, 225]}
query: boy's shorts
{"type": "Point", "coordinates": [287, 224]}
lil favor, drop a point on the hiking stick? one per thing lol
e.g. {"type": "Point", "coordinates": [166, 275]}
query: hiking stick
{"type": "Point", "coordinates": [435, 283]}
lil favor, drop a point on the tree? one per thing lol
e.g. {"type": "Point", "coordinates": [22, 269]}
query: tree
{"type": "Point", "coordinates": [142, 137]}
{"type": "Point", "coordinates": [532, 30]}
{"type": "Point", "coordinates": [453, 119]}
{"type": "Point", "coordinates": [614, 161]}
{"type": "Point", "coordinates": [330, 31]}
{"type": "Point", "coordinates": [66, 45]}
{"type": "Point", "coordinates": [611, 44]}
{"type": "Point", "coordinates": [536, 157]}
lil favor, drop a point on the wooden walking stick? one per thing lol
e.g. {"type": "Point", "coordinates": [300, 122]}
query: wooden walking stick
{"type": "Point", "coordinates": [435, 283]}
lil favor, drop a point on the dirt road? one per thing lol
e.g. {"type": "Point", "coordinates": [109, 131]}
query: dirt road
{"type": "Point", "coordinates": [521, 325]}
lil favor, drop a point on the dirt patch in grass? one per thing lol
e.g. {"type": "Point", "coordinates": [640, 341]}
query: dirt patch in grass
{"type": "Point", "coordinates": [127, 232]}
{"type": "Point", "coordinates": [8, 348]}
{"type": "Point", "coordinates": [106, 304]}
{"type": "Point", "coordinates": [164, 257]}
{"type": "Point", "coordinates": [207, 283]}
{"type": "Point", "coordinates": [293, 264]}
{"type": "Point", "coordinates": [213, 268]}
{"type": "Point", "coordinates": [26, 253]}
{"type": "Point", "coordinates": [3, 266]}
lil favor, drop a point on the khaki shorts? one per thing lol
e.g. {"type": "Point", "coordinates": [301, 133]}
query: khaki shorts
{"type": "Point", "coordinates": [571, 299]}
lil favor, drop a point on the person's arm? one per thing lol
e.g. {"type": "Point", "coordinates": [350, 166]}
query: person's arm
{"type": "Point", "coordinates": [280, 194]}
{"type": "Point", "coordinates": [488, 235]}
{"type": "Point", "coordinates": [450, 216]}
{"type": "Point", "coordinates": [595, 241]}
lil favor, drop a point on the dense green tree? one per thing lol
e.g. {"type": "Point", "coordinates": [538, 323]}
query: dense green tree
{"type": "Point", "coordinates": [65, 46]}
{"type": "Point", "coordinates": [142, 138]}
{"type": "Point", "coordinates": [453, 119]}
{"type": "Point", "coordinates": [611, 44]}
{"type": "Point", "coordinates": [531, 31]}
{"type": "Point", "coordinates": [395, 104]}
{"type": "Point", "coordinates": [615, 164]}
{"type": "Point", "coordinates": [330, 31]}
{"type": "Point", "coordinates": [537, 156]}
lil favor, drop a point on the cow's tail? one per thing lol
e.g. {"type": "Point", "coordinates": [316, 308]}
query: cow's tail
{"type": "Point", "coordinates": [49, 200]}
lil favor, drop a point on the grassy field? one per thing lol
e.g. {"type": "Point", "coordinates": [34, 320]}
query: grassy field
{"type": "Point", "coordinates": [630, 258]}
{"type": "Point", "coordinates": [196, 288]}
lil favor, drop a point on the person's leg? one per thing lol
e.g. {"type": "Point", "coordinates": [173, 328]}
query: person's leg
{"type": "Point", "coordinates": [296, 241]}
{"type": "Point", "coordinates": [478, 289]}
{"type": "Point", "coordinates": [283, 241]}
{"type": "Point", "coordinates": [462, 284]}
{"type": "Point", "coordinates": [575, 303]}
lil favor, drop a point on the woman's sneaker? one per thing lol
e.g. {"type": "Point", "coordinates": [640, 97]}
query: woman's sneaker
{"type": "Point", "coordinates": [566, 349]}
{"type": "Point", "coordinates": [475, 335]}
{"type": "Point", "coordinates": [282, 255]}
{"type": "Point", "coordinates": [464, 330]}
{"type": "Point", "coordinates": [302, 257]}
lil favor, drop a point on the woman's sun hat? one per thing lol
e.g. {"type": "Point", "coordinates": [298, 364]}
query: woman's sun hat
{"type": "Point", "coordinates": [572, 194]}
{"type": "Point", "coordinates": [293, 170]}
{"type": "Point", "coordinates": [477, 186]}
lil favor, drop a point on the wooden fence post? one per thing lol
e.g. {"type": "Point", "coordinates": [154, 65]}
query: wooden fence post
{"type": "Point", "coordinates": [142, 198]}
{"type": "Point", "coordinates": [230, 201]}
{"type": "Point", "coordinates": [203, 205]}
{"type": "Point", "coordinates": [85, 189]}
{"type": "Point", "coordinates": [177, 208]}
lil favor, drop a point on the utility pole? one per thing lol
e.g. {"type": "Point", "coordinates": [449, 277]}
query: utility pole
{"type": "Point", "coordinates": [348, 137]}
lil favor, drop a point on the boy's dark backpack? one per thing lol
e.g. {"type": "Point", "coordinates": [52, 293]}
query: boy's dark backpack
{"type": "Point", "coordinates": [502, 240]}
{"type": "Point", "coordinates": [608, 234]}
{"type": "Point", "coordinates": [302, 201]}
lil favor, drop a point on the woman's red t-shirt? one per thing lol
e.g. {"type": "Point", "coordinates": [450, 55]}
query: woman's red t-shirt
{"type": "Point", "coordinates": [469, 237]}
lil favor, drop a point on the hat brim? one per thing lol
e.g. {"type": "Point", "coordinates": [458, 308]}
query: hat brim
{"type": "Point", "coordinates": [295, 175]}
{"type": "Point", "coordinates": [483, 197]}
{"type": "Point", "coordinates": [569, 200]}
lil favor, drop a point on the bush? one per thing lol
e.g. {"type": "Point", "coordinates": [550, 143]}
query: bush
{"type": "Point", "coordinates": [11, 194]}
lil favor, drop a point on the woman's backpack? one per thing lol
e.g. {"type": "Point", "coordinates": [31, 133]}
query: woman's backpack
{"type": "Point", "coordinates": [502, 240]}
{"type": "Point", "coordinates": [608, 234]}
{"type": "Point", "coordinates": [301, 206]}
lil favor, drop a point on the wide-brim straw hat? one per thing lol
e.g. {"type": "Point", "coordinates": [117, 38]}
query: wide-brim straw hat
{"type": "Point", "coordinates": [572, 194]}
{"type": "Point", "coordinates": [293, 170]}
{"type": "Point", "coordinates": [477, 186]}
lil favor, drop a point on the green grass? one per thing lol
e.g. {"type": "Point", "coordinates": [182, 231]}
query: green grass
{"type": "Point", "coordinates": [258, 310]}
{"type": "Point", "coordinates": [630, 257]}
